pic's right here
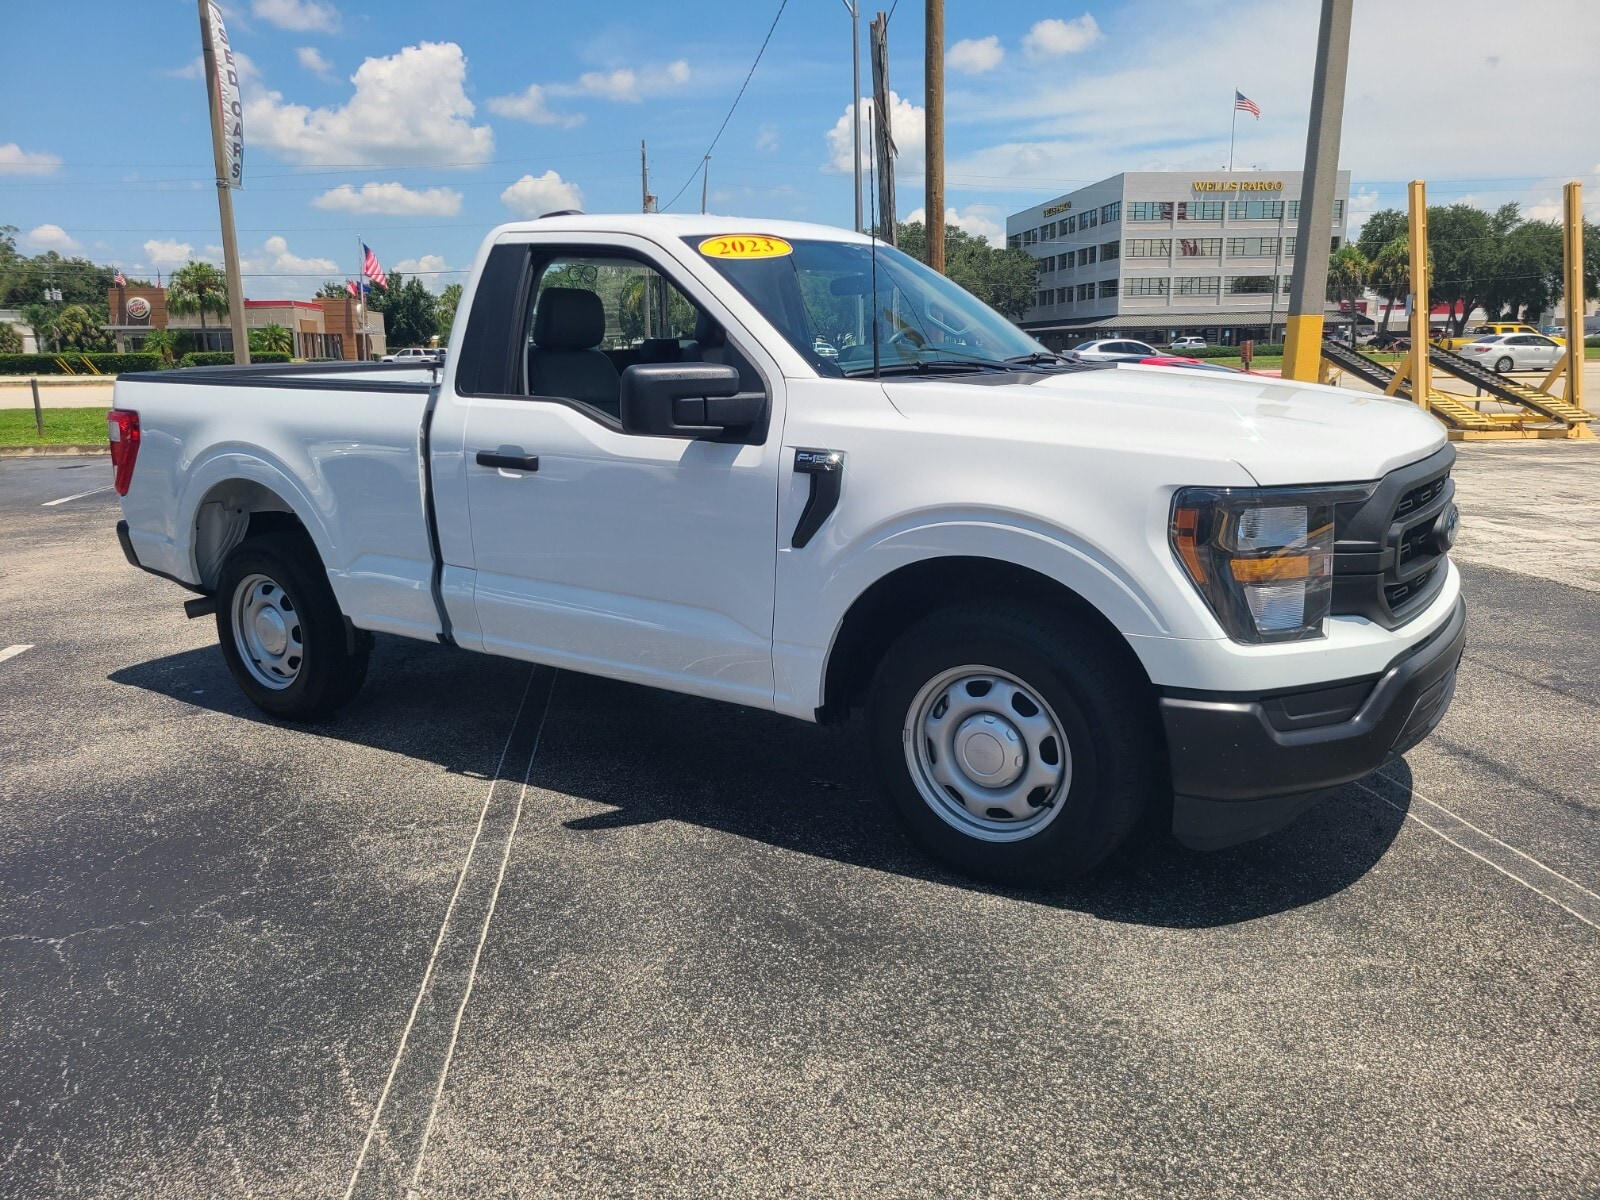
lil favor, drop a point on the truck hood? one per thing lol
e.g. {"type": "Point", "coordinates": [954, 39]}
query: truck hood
{"type": "Point", "coordinates": [1281, 432]}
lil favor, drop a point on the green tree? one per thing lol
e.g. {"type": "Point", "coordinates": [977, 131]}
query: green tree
{"type": "Point", "coordinates": [43, 319]}
{"type": "Point", "coordinates": [1382, 228]}
{"type": "Point", "coordinates": [409, 311]}
{"type": "Point", "coordinates": [1465, 252]}
{"type": "Point", "coordinates": [273, 338]}
{"type": "Point", "coordinates": [77, 329]}
{"type": "Point", "coordinates": [10, 340]}
{"type": "Point", "coordinates": [449, 301]}
{"type": "Point", "coordinates": [1348, 271]}
{"type": "Point", "coordinates": [163, 344]}
{"type": "Point", "coordinates": [197, 287]}
{"type": "Point", "coordinates": [1390, 274]}
{"type": "Point", "coordinates": [1003, 279]}
{"type": "Point", "coordinates": [1527, 279]}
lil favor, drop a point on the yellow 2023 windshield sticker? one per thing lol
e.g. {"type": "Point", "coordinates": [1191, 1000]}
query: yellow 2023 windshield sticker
{"type": "Point", "coordinates": [745, 245]}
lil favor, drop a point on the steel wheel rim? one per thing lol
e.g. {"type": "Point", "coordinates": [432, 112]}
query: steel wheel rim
{"type": "Point", "coordinates": [987, 754]}
{"type": "Point", "coordinates": [266, 629]}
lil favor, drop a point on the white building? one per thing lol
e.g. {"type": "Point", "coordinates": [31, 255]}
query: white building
{"type": "Point", "coordinates": [1161, 254]}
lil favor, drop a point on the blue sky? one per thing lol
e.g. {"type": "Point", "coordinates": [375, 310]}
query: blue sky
{"type": "Point", "coordinates": [418, 126]}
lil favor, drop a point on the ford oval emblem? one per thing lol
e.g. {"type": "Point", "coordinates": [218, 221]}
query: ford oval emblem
{"type": "Point", "coordinates": [1445, 528]}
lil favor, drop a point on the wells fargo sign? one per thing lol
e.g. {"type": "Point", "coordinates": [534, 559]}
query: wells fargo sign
{"type": "Point", "coordinates": [1058, 208]}
{"type": "Point", "coordinates": [1238, 185]}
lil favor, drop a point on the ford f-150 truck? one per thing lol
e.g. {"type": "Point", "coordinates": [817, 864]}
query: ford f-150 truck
{"type": "Point", "coordinates": [1064, 594]}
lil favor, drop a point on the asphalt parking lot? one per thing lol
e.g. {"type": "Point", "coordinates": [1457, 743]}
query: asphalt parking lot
{"type": "Point", "coordinates": [499, 931]}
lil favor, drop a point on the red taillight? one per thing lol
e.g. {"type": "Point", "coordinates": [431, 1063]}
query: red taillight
{"type": "Point", "coordinates": [122, 425]}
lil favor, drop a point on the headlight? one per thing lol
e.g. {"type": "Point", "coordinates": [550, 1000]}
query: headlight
{"type": "Point", "coordinates": [1261, 558]}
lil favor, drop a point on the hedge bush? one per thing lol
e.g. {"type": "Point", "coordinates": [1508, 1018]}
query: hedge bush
{"type": "Point", "coordinates": [1592, 343]}
{"type": "Point", "coordinates": [106, 364]}
{"type": "Point", "coordinates": [224, 358]}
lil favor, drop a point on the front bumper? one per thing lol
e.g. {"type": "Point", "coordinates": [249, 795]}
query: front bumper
{"type": "Point", "coordinates": [1243, 766]}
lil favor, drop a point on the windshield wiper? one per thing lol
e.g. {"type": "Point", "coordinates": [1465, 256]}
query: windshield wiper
{"type": "Point", "coordinates": [929, 366]}
{"type": "Point", "coordinates": [1037, 359]}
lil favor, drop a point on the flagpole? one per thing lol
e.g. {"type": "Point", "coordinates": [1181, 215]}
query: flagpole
{"type": "Point", "coordinates": [361, 297]}
{"type": "Point", "coordinates": [1232, 126]}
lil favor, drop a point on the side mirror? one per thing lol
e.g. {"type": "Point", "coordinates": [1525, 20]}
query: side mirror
{"type": "Point", "coordinates": [685, 400]}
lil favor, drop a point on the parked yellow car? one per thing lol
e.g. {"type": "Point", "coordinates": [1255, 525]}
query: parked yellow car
{"type": "Point", "coordinates": [1493, 327]}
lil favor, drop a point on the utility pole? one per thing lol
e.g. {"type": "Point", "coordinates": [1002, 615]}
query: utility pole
{"type": "Point", "coordinates": [934, 107]}
{"type": "Point", "coordinates": [853, 7]}
{"type": "Point", "coordinates": [225, 184]}
{"type": "Point", "coordinates": [647, 201]}
{"type": "Point", "coordinates": [1308, 288]}
{"type": "Point", "coordinates": [883, 134]}
{"type": "Point", "coordinates": [705, 172]}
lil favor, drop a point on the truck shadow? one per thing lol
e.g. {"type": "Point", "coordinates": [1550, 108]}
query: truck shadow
{"type": "Point", "coordinates": [640, 756]}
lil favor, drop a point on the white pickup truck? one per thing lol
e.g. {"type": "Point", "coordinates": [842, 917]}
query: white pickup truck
{"type": "Point", "coordinates": [1064, 594]}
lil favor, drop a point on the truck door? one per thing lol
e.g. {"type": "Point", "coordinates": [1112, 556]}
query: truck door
{"type": "Point", "coordinates": [638, 557]}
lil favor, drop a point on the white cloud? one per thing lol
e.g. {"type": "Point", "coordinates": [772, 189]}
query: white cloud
{"type": "Point", "coordinates": [409, 108]}
{"type": "Point", "coordinates": [435, 273]}
{"type": "Point", "coordinates": [535, 194]}
{"type": "Point", "coordinates": [978, 219]}
{"type": "Point", "coordinates": [767, 139]}
{"type": "Point", "coordinates": [531, 106]}
{"type": "Point", "coordinates": [907, 125]}
{"type": "Point", "coordinates": [49, 237]}
{"type": "Point", "coordinates": [624, 84]}
{"type": "Point", "coordinates": [390, 200]}
{"type": "Point", "coordinates": [1054, 37]}
{"type": "Point", "coordinates": [278, 271]}
{"type": "Point", "coordinates": [168, 252]}
{"type": "Point", "coordinates": [301, 16]}
{"type": "Point", "coordinates": [974, 56]}
{"type": "Point", "coordinates": [311, 59]}
{"type": "Point", "coordinates": [14, 160]}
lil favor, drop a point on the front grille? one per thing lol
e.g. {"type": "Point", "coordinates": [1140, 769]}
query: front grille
{"type": "Point", "coordinates": [1397, 595]}
{"type": "Point", "coordinates": [1385, 565]}
{"type": "Point", "coordinates": [1420, 497]}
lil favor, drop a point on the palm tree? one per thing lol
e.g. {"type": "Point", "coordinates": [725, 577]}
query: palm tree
{"type": "Point", "coordinates": [197, 287]}
{"type": "Point", "coordinates": [163, 344]}
{"type": "Point", "coordinates": [77, 329]}
{"type": "Point", "coordinates": [1348, 272]}
{"type": "Point", "coordinates": [272, 338]}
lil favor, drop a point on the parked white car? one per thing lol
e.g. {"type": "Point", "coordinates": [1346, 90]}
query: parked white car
{"type": "Point", "coordinates": [1061, 593]}
{"type": "Point", "coordinates": [1514, 351]}
{"type": "Point", "coordinates": [1112, 350]}
{"type": "Point", "coordinates": [415, 354]}
{"type": "Point", "coordinates": [1187, 343]}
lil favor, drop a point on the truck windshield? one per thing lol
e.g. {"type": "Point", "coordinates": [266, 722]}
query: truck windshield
{"type": "Point", "coordinates": [828, 299]}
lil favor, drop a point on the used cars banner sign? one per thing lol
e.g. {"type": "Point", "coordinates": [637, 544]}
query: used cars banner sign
{"type": "Point", "coordinates": [230, 106]}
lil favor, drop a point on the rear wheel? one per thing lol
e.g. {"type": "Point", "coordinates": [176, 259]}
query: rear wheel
{"type": "Point", "coordinates": [282, 634]}
{"type": "Point", "coordinates": [1503, 364]}
{"type": "Point", "coordinates": [1014, 745]}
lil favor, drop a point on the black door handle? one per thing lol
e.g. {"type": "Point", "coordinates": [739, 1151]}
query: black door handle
{"type": "Point", "coordinates": [508, 462]}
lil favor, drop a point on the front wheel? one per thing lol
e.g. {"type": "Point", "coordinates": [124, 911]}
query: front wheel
{"type": "Point", "coordinates": [1012, 742]}
{"type": "Point", "coordinates": [1503, 365]}
{"type": "Point", "coordinates": [282, 634]}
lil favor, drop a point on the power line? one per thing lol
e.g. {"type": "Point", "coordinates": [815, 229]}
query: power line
{"type": "Point", "coordinates": [783, 4]}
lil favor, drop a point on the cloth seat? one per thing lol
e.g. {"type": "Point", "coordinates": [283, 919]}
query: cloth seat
{"type": "Point", "coordinates": [564, 360]}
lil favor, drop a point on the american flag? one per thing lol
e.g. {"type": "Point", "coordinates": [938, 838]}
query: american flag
{"type": "Point", "coordinates": [120, 280]}
{"type": "Point", "coordinates": [370, 267]}
{"type": "Point", "coordinates": [1241, 103]}
{"type": "Point", "coordinates": [357, 289]}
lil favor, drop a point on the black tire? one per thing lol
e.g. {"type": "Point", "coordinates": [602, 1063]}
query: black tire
{"type": "Point", "coordinates": [1101, 705]}
{"type": "Point", "coordinates": [1504, 365]}
{"type": "Point", "coordinates": [332, 663]}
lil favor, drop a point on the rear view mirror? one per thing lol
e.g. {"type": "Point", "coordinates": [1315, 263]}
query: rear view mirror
{"type": "Point", "coordinates": [686, 400]}
{"type": "Point", "coordinates": [851, 285]}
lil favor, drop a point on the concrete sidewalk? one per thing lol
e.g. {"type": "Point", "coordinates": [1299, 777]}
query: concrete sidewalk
{"type": "Point", "coordinates": [74, 392]}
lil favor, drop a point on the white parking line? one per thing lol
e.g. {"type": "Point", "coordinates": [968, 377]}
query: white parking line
{"type": "Point", "coordinates": [13, 651]}
{"type": "Point", "coordinates": [444, 927]}
{"type": "Point", "coordinates": [477, 955]}
{"type": "Point", "coordinates": [1566, 895]}
{"type": "Point", "coordinates": [76, 496]}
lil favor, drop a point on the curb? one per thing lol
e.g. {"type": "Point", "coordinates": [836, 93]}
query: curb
{"type": "Point", "coordinates": [51, 450]}
{"type": "Point", "coordinates": [54, 381]}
